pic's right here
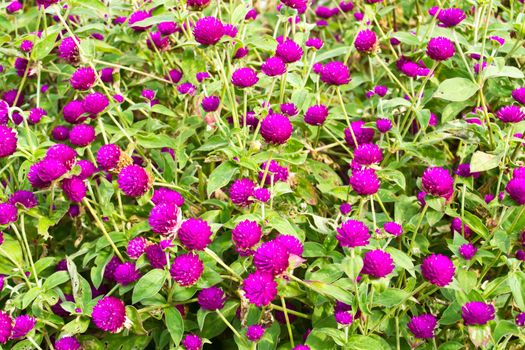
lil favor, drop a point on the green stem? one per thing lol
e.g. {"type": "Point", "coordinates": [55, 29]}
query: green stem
{"type": "Point", "coordinates": [290, 334]}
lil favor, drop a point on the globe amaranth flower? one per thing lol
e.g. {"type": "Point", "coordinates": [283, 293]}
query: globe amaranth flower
{"type": "Point", "coordinates": [165, 218]}
{"type": "Point", "coordinates": [458, 226]}
{"type": "Point", "coordinates": [134, 181]}
{"type": "Point", "coordinates": [23, 325]}
{"type": "Point", "coordinates": [155, 40]}
{"type": "Point", "coordinates": [87, 169]}
{"type": "Point", "coordinates": [335, 73]}
{"type": "Point", "coordinates": [344, 318]}
{"type": "Point", "coordinates": [195, 234]}
{"type": "Point", "coordinates": [361, 133]}
{"type": "Point", "coordinates": [208, 30]}
{"type": "Point", "coordinates": [245, 235]}
{"type": "Point", "coordinates": [74, 189]}
{"type": "Point", "coordinates": [516, 189]}
{"type": "Point", "coordinates": [450, 17]}
{"type": "Point", "coordinates": [126, 273]}
{"type": "Point", "coordinates": [316, 43]}
{"type": "Point", "coordinates": [463, 170]}
{"type": "Point", "coordinates": [365, 182]}
{"type": "Point", "coordinates": [289, 51]}
{"type": "Point", "coordinates": [241, 52]}
{"type": "Point", "coordinates": [377, 263]}
{"type": "Point", "coordinates": [241, 191]}
{"type": "Point", "coordinates": [8, 141]}
{"type": "Point", "coordinates": [185, 89]}
{"type": "Point", "coordinates": [519, 95]}
{"type": "Point", "coordinates": [6, 327]}
{"type": "Point", "coordinates": [108, 157]}
{"type": "Point", "coordinates": [273, 66]}
{"type": "Point", "coordinates": [156, 256]}
{"type": "Point", "coordinates": [289, 109]}
{"type": "Point", "coordinates": [291, 243]}
{"type": "Point", "coordinates": [82, 135]}
{"type": "Point", "coordinates": [198, 4]}
{"type": "Point", "coordinates": [64, 154]}
{"type": "Point", "coordinates": [174, 76]}
{"type": "Point", "coordinates": [136, 247]}
{"type": "Point", "coordinates": [36, 115]}
{"type": "Point", "coordinates": [353, 233]}
{"type": "Point", "coordinates": [438, 182]}
{"type": "Point", "coordinates": [380, 90]}
{"type": "Point", "coordinates": [244, 77]}
{"type": "Point", "coordinates": [368, 154]}
{"type": "Point", "coordinates": [201, 76]}
{"type": "Point", "coordinates": [255, 332]}
{"type": "Point", "coordinates": [41, 174]}
{"type": "Point", "coordinates": [262, 194]}
{"type": "Point", "coordinates": [8, 213]}
{"type": "Point", "coordinates": [345, 208]}
{"type": "Point", "coordinates": [393, 228]}
{"type": "Point", "coordinates": [109, 314]}
{"type": "Point", "coordinates": [423, 326]}
{"type": "Point", "coordinates": [67, 343]}
{"type": "Point", "coordinates": [68, 50]}
{"type": "Point", "coordinates": [83, 78]}
{"type": "Point", "coordinates": [230, 30]}
{"type": "Point", "coordinates": [95, 103]}
{"type": "Point", "coordinates": [383, 125]}
{"type": "Point", "coordinates": [510, 114]}
{"type": "Point", "coordinates": [260, 288]}
{"type": "Point", "coordinates": [301, 347]}
{"type": "Point", "coordinates": [468, 250]}
{"type": "Point", "coordinates": [299, 5]}
{"type": "Point", "coordinates": [316, 115]}
{"type": "Point", "coordinates": [186, 269]}
{"type": "Point", "coordinates": [438, 269]}
{"type": "Point", "coordinates": [211, 299]}
{"type": "Point", "coordinates": [520, 319]}
{"type": "Point", "coordinates": [276, 129]}
{"type": "Point", "coordinates": [25, 198]}
{"type": "Point", "coordinates": [166, 195]}
{"type": "Point", "coordinates": [136, 17]}
{"type": "Point", "coordinates": [14, 6]}
{"type": "Point", "coordinates": [106, 75]}
{"type": "Point", "coordinates": [365, 41]}
{"type": "Point", "coordinates": [10, 97]}
{"type": "Point", "coordinates": [210, 103]}
{"type": "Point", "coordinates": [477, 313]}
{"type": "Point", "coordinates": [440, 48]}
{"type": "Point", "coordinates": [271, 257]}
{"type": "Point", "coordinates": [274, 172]}
{"type": "Point", "coordinates": [168, 28]}
{"type": "Point", "coordinates": [192, 342]}
{"type": "Point", "coordinates": [74, 112]}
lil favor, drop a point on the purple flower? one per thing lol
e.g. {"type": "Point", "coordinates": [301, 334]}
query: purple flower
{"type": "Point", "coordinates": [365, 41]}
{"type": "Point", "coordinates": [211, 299]}
{"type": "Point", "coordinates": [458, 226]}
{"type": "Point", "coordinates": [168, 28]}
{"type": "Point", "coordinates": [6, 327]}
{"type": "Point", "coordinates": [347, 6]}
{"type": "Point", "coordinates": [65, 154]}
{"type": "Point", "coordinates": [368, 154]}
{"type": "Point", "coordinates": [74, 189]}
{"type": "Point", "coordinates": [67, 343]}
{"type": "Point", "coordinates": [477, 313]}
{"type": "Point", "coordinates": [192, 341]}
{"type": "Point", "coordinates": [276, 129]}
{"type": "Point", "coordinates": [316, 43]}
{"type": "Point", "coordinates": [365, 182]}
{"type": "Point", "coordinates": [440, 49]}
{"type": "Point", "coordinates": [230, 30]}
{"type": "Point", "coordinates": [381, 90]}
{"type": "Point", "coordinates": [353, 233]}
{"type": "Point", "coordinates": [244, 77]}
{"type": "Point", "coordinates": [195, 234]}
{"type": "Point", "coordinates": [438, 182]}
{"type": "Point", "coordinates": [60, 133]}
{"type": "Point", "coordinates": [35, 115]}
{"type": "Point", "coordinates": [166, 195]}
{"type": "Point", "coordinates": [126, 273]}
{"type": "Point", "coordinates": [8, 141]}
{"type": "Point", "coordinates": [463, 170]}
{"type": "Point", "coordinates": [519, 95]}
{"type": "Point", "coordinates": [344, 318]}
{"type": "Point", "coordinates": [82, 135]}
{"type": "Point", "coordinates": [289, 51]}
{"type": "Point", "coordinates": [393, 228]}
{"type": "Point", "coordinates": [83, 78]}
{"type": "Point", "coordinates": [198, 4]}
{"type": "Point", "coordinates": [423, 326]}
{"type": "Point", "coordinates": [301, 347]}
{"type": "Point", "coordinates": [156, 40]}
{"type": "Point", "coordinates": [520, 319]}
{"type": "Point", "coordinates": [246, 234]}
{"type": "Point", "coordinates": [26, 198]}
{"type": "Point", "coordinates": [273, 66]}
{"type": "Point", "coordinates": [136, 17]}
{"type": "Point", "coordinates": [10, 97]}
{"type": "Point", "coordinates": [201, 76]}
{"type": "Point", "coordinates": [109, 314]}
{"type": "Point", "coordinates": [316, 115]}
{"type": "Point", "coordinates": [68, 50]}
{"type": "Point", "coordinates": [8, 213]}
{"type": "Point", "coordinates": [438, 269]}
{"type": "Point", "coordinates": [165, 218]}
{"type": "Point", "coordinates": [23, 325]}
{"type": "Point", "coordinates": [362, 134]}
{"type": "Point", "coordinates": [241, 191]}
{"type": "Point", "coordinates": [262, 194]}
{"type": "Point", "coordinates": [335, 73]}
{"type": "Point", "coordinates": [468, 250]}
{"type": "Point", "coordinates": [299, 5]}
{"type": "Point", "coordinates": [377, 263]}
{"type": "Point", "coordinates": [210, 103]}
{"type": "Point", "coordinates": [345, 208]}
{"type": "Point", "coordinates": [74, 112]}
{"type": "Point", "coordinates": [516, 189]}
{"type": "Point", "coordinates": [274, 172]}
{"type": "Point", "coordinates": [106, 75]}
{"type": "Point", "coordinates": [271, 257]}
{"type": "Point", "coordinates": [134, 181]}
{"type": "Point", "coordinates": [156, 256]}
{"type": "Point", "coordinates": [108, 156]}
{"type": "Point", "coordinates": [136, 247]}
{"type": "Point", "coordinates": [254, 332]}
{"type": "Point", "coordinates": [383, 125]}
{"type": "Point", "coordinates": [95, 103]}
{"type": "Point", "coordinates": [208, 30]}
{"type": "Point", "coordinates": [14, 6]}
{"type": "Point", "coordinates": [291, 243]}
{"type": "Point", "coordinates": [186, 89]}
{"type": "Point", "coordinates": [174, 76]}
{"type": "Point", "coordinates": [186, 269]}
{"type": "Point", "coordinates": [450, 17]}
{"type": "Point", "coordinates": [260, 288]}
{"type": "Point", "coordinates": [510, 114]}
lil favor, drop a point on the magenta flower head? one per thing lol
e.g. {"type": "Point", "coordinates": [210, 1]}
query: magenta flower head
{"type": "Point", "coordinates": [211, 299]}
{"type": "Point", "coordinates": [74, 189]}
{"type": "Point", "coordinates": [477, 313]}
{"type": "Point", "coordinates": [438, 269]}
{"type": "Point", "coordinates": [36, 115]}
{"type": "Point", "coordinates": [106, 75]}
{"type": "Point", "coordinates": [519, 95]}
{"type": "Point", "coordinates": [316, 115]}
{"type": "Point", "coordinates": [8, 141]}
{"type": "Point", "coordinates": [134, 181]}
{"type": "Point", "coordinates": [262, 194]}
{"type": "Point", "coordinates": [67, 343]}
{"type": "Point", "coordinates": [74, 112]}
{"type": "Point", "coordinates": [6, 327]}
{"type": "Point", "coordinates": [438, 182]}
{"type": "Point", "coordinates": [245, 235]}
{"type": "Point", "coordinates": [156, 256]}
{"type": "Point", "coordinates": [244, 77]}
{"type": "Point", "coordinates": [136, 247]}
{"type": "Point", "coordinates": [165, 218]}
{"type": "Point", "coordinates": [109, 314]}
{"type": "Point", "coordinates": [108, 157]}
{"type": "Point", "coordinates": [68, 50]}
{"type": "Point", "coordinates": [335, 73]}
{"type": "Point", "coordinates": [82, 135]}
{"type": "Point", "coordinates": [291, 243]}
{"type": "Point", "coordinates": [156, 40]}
{"type": "Point", "coordinates": [510, 114]}
{"type": "Point", "coordinates": [344, 318]}
{"type": "Point", "coordinates": [25, 198]}
{"type": "Point", "coordinates": [192, 342]}
{"type": "Point", "coordinates": [377, 263]}
{"type": "Point", "coordinates": [451, 17]}
{"type": "Point", "coordinates": [168, 28]}
{"type": "Point", "coordinates": [254, 332]}
{"type": "Point", "coordinates": [468, 250]}
{"type": "Point", "coordinates": [83, 78]}
{"type": "Point", "coordinates": [273, 66]}
{"type": "Point", "coordinates": [208, 30]}
{"type": "Point", "coordinates": [423, 326]}
{"type": "Point", "coordinates": [210, 103]}
{"type": "Point", "coordinates": [260, 288]}
{"type": "Point", "coordinates": [241, 191]}
{"type": "Point", "coordinates": [60, 133]}
{"type": "Point", "coordinates": [23, 325]}
{"type": "Point", "coordinates": [289, 51]}
{"type": "Point", "coordinates": [65, 154]}
{"type": "Point", "coordinates": [516, 189]}
{"type": "Point", "coordinates": [186, 269]}
{"type": "Point", "coordinates": [126, 273]}
{"type": "Point", "coordinates": [8, 213]}
{"type": "Point", "coordinates": [393, 228]}
{"type": "Point", "coordinates": [95, 103]}
{"type": "Point", "coordinates": [271, 257]}
{"type": "Point", "coordinates": [45, 171]}
{"type": "Point", "coordinates": [301, 347]}
{"type": "Point", "coordinates": [316, 43]}
{"type": "Point", "coordinates": [136, 17]}
{"type": "Point", "coordinates": [368, 154]}
{"type": "Point", "coordinates": [365, 182]}
{"type": "Point", "coordinates": [185, 89]}
{"type": "Point", "coordinates": [14, 6]}
{"type": "Point", "coordinates": [353, 233]}
{"type": "Point", "coordinates": [195, 234]}
{"type": "Point", "coordinates": [198, 4]}
{"type": "Point", "coordinates": [201, 76]}
{"type": "Point", "coordinates": [361, 133]}
{"type": "Point", "coordinates": [276, 129]}
{"type": "Point", "coordinates": [458, 226]}
{"type": "Point", "coordinates": [274, 172]}
{"type": "Point", "coordinates": [345, 208]}
{"type": "Point", "coordinates": [383, 125]}
{"type": "Point", "coordinates": [520, 319]}
{"type": "Point", "coordinates": [440, 49]}
{"type": "Point", "coordinates": [166, 195]}
{"type": "Point", "coordinates": [366, 41]}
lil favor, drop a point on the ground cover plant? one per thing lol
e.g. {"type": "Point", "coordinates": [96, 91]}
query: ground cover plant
{"type": "Point", "coordinates": [262, 174]}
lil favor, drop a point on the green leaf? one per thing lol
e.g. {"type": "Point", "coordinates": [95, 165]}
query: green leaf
{"type": "Point", "coordinates": [505, 71]}
{"type": "Point", "coordinates": [155, 141]}
{"type": "Point", "coordinates": [361, 342]}
{"type": "Point", "coordinates": [475, 224]}
{"type": "Point", "coordinates": [174, 323]}
{"type": "Point", "coordinates": [401, 259]}
{"type": "Point", "coordinates": [331, 290]}
{"type": "Point", "coordinates": [158, 108]}
{"type": "Point", "coordinates": [56, 279]}
{"type": "Point", "coordinates": [44, 46]}
{"type": "Point", "coordinates": [517, 288]}
{"type": "Point", "coordinates": [221, 176]}
{"type": "Point", "coordinates": [482, 161]}
{"type": "Point", "coordinates": [149, 285]}
{"type": "Point", "coordinates": [456, 89]}
{"type": "Point", "coordinates": [352, 266]}
{"type": "Point", "coordinates": [391, 297]}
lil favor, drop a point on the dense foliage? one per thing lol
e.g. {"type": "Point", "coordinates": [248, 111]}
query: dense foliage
{"type": "Point", "coordinates": [262, 175]}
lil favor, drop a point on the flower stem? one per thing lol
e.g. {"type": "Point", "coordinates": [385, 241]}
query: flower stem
{"type": "Point", "coordinates": [285, 310]}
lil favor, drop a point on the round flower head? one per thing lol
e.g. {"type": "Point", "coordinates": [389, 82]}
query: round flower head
{"type": "Point", "coordinates": [174, 76]}
{"type": "Point", "coordinates": [463, 170]}
{"type": "Point", "coordinates": [380, 90]}
{"type": "Point", "coordinates": [87, 169]}
{"type": "Point", "coordinates": [168, 28]}
{"type": "Point", "coordinates": [8, 213]}
{"type": "Point", "coordinates": [126, 273]}
{"type": "Point", "coordinates": [95, 103]}
{"type": "Point", "coordinates": [74, 189]}
{"type": "Point", "coordinates": [6, 327]}
{"type": "Point", "coordinates": [260, 288]}
{"type": "Point", "coordinates": [4, 112]}
{"type": "Point", "coordinates": [301, 347]}
{"type": "Point", "coordinates": [106, 75]}
{"type": "Point", "coordinates": [344, 318]}
{"type": "Point", "coordinates": [423, 326]}
{"type": "Point", "coordinates": [362, 134]}
{"type": "Point", "coordinates": [111, 266]}
{"type": "Point", "coordinates": [271, 257]}
{"type": "Point", "coordinates": [468, 250]}
{"type": "Point", "coordinates": [377, 263]}
{"type": "Point", "coordinates": [516, 189]}
{"type": "Point", "coordinates": [520, 319]}
{"type": "Point", "coordinates": [14, 6]}
{"type": "Point", "coordinates": [241, 191]}
{"type": "Point", "coordinates": [186, 269]}
{"type": "Point", "coordinates": [10, 97]}
{"type": "Point", "coordinates": [393, 228]}
{"type": "Point", "coordinates": [108, 156]}
{"type": "Point", "coordinates": [289, 109]}
{"type": "Point", "coordinates": [134, 181]}
{"type": "Point", "coordinates": [450, 17]}
{"type": "Point", "coordinates": [74, 112]}
{"type": "Point", "coordinates": [276, 129]}
{"type": "Point", "coordinates": [254, 332]}
{"type": "Point", "coordinates": [64, 154]}
{"type": "Point", "coordinates": [68, 50]}
{"type": "Point", "coordinates": [195, 234]}
{"type": "Point", "coordinates": [25, 198]}
{"type": "Point", "coordinates": [274, 172]}
{"type": "Point", "coordinates": [345, 208]}
{"type": "Point", "coordinates": [316, 115]}
{"type": "Point", "coordinates": [273, 66]}
{"type": "Point", "coordinates": [353, 233]}
{"type": "Point", "coordinates": [316, 43]}
{"type": "Point", "coordinates": [246, 234]}
{"type": "Point", "coordinates": [383, 125]}
{"type": "Point", "coordinates": [262, 194]}
{"type": "Point", "coordinates": [291, 243]}
{"type": "Point", "coordinates": [289, 51]}
{"type": "Point", "coordinates": [440, 48]}
{"type": "Point", "coordinates": [83, 78]}
{"type": "Point", "coordinates": [510, 114]}
{"type": "Point", "coordinates": [136, 17]}
{"type": "Point", "coordinates": [166, 195]}
{"type": "Point", "coordinates": [458, 226]}
{"type": "Point", "coordinates": [438, 269]}
{"type": "Point", "coordinates": [208, 30]}
{"type": "Point", "coordinates": [335, 73]}
{"type": "Point", "coordinates": [368, 154]}
{"type": "Point", "coordinates": [185, 89]}
{"type": "Point", "coordinates": [365, 182]}
{"type": "Point", "coordinates": [519, 95]}
{"type": "Point", "coordinates": [49, 169]}
{"type": "Point", "coordinates": [519, 172]}
{"type": "Point", "coordinates": [210, 103]}
{"type": "Point", "coordinates": [438, 182]}
{"type": "Point", "coordinates": [365, 41]}
{"type": "Point", "coordinates": [8, 141]}
{"type": "Point", "coordinates": [67, 343]}
{"type": "Point", "coordinates": [156, 256]}
{"type": "Point", "coordinates": [211, 299]}
{"type": "Point", "coordinates": [477, 313]}
{"type": "Point", "coordinates": [35, 115]}
{"type": "Point", "coordinates": [155, 40]}
{"type": "Point", "coordinates": [165, 218]}
{"type": "Point", "coordinates": [82, 135]}
{"type": "Point", "coordinates": [109, 314]}
{"type": "Point", "coordinates": [136, 247]}
{"type": "Point", "coordinates": [23, 325]}
{"type": "Point", "coordinates": [192, 342]}
{"type": "Point", "coordinates": [244, 77]}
